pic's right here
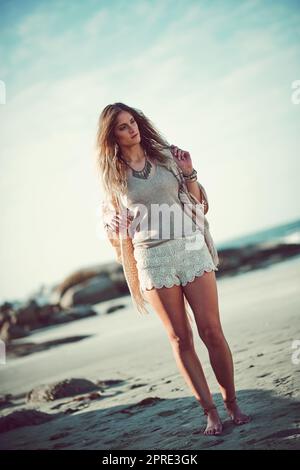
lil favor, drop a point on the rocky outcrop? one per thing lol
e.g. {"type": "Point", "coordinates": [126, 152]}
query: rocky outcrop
{"type": "Point", "coordinates": [19, 322]}
{"type": "Point", "coordinates": [62, 389]}
{"type": "Point", "coordinates": [25, 417]}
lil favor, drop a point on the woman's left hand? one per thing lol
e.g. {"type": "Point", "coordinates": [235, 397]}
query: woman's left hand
{"type": "Point", "coordinates": [183, 159]}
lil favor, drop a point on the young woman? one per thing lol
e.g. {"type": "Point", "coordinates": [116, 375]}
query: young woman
{"type": "Point", "coordinates": [133, 167]}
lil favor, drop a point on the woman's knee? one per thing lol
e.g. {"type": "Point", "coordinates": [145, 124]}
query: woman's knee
{"type": "Point", "coordinates": [212, 336]}
{"type": "Point", "coordinates": [182, 342]}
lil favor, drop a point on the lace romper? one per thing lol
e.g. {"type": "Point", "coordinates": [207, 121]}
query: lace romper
{"type": "Point", "coordinates": [171, 251]}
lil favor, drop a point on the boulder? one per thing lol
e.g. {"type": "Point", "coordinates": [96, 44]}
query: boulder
{"type": "Point", "coordinates": [61, 389]}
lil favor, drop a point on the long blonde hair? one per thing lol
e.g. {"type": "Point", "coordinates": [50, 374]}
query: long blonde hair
{"type": "Point", "coordinates": [111, 167]}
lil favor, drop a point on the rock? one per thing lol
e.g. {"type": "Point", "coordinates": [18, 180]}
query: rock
{"type": "Point", "coordinates": [76, 313]}
{"type": "Point", "coordinates": [19, 324]}
{"type": "Point", "coordinates": [46, 313]}
{"type": "Point", "coordinates": [29, 314]}
{"type": "Point", "coordinates": [24, 417]}
{"type": "Point", "coordinates": [9, 331]}
{"type": "Point", "coordinates": [8, 316]}
{"type": "Point", "coordinates": [91, 285]}
{"type": "Point", "coordinates": [5, 401]}
{"type": "Point", "coordinates": [65, 388]}
{"type": "Point", "coordinates": [94, 291]}
{"type": "Point", "coordinates": [6, 307]}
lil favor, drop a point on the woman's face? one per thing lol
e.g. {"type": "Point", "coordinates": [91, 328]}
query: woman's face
{"type": "Point", "coordinates": [126, 130]}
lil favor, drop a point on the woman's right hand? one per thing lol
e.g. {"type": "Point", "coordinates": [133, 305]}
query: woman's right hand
{"type": "Point", "coordinates": [120, 221]}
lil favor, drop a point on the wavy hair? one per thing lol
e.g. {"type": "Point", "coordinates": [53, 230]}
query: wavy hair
{"type": "Point", "coordinates": [111, 167]}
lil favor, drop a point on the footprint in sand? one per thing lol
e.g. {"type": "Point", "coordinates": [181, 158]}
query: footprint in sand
{"type": "Point", "coordinates": [137, 386]}
{"type": "Point", "coordinates": [281, 380]}
{"type": "Point", "coordinates": [136, 407]}
{"type": "Point", "coordinates": [167, 413]}
{"type": "Point", "coordinates": [282, 434]}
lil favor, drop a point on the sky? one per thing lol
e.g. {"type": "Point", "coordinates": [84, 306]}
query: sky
{"type": "Point", "coordinates": [215, 77]}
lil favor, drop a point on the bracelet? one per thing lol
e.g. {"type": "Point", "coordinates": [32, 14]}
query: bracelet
{"type": "Point", "coordinates": [190, 180]}
{"type": "Point", "coordinates": [192, 176]}
{"type": "Point", "coordinates": [194, 172]}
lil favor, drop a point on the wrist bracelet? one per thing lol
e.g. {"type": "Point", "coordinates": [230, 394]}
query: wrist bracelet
{"type": "Point", "coordinates": [192, 176]}
{"type": "Point", "coordinates": [191, 180]}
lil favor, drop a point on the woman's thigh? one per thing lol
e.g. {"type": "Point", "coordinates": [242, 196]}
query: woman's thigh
{"type": "Point", "coordinates": [202, 295]}
{"type": "Point", "coordinates": [168, 304]}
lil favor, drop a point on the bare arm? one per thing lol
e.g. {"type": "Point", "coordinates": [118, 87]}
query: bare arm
{"type": "Point", "coordinates": [197, 190]}
{"type": "Point", "coordinates": [184, 163]}
{"type": "Point", "coordinates": [194, 189]}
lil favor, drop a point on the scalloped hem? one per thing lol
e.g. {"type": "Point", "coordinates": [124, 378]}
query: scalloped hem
{"type": "Point", "coordinates": [200, 273]}
{"type": "Point", "coordinates": [178, 282]}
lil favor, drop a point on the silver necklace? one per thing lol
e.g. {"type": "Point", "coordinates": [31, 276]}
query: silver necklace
{"type": "Point", "coordinates": [144, 173]}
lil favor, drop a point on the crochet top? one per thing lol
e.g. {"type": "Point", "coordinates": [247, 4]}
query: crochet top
{"type": "Point", "coordinates": [157, 212]}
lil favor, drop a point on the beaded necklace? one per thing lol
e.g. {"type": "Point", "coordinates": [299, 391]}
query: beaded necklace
{"type": "Point", "coordinates": [144, 173]}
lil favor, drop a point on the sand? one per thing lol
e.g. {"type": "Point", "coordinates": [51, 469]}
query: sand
{"type": "Point", "coordinates": [149, 406]}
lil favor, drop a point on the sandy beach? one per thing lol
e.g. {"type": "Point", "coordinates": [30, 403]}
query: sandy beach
{"type": "Point", "coordinates": [142, 400]}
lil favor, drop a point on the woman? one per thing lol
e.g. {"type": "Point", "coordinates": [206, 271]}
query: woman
{"type": "Point", "coordinates": [135, 172]}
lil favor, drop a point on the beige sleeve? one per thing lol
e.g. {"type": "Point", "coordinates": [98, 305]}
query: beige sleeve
{"type": "Point", "coordinates": [108, 210]}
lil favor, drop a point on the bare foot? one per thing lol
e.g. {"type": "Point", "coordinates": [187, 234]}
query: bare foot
{"type": "Point", "coordinates": [214, 424]}
{"type": "Point", "coordinates": [235, 412]}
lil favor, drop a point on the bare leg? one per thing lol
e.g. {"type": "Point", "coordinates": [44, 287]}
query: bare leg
{"type": "Point", "coordinates": [203, 298]}
{"type": "Point", "coordinates": [168, 303]}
